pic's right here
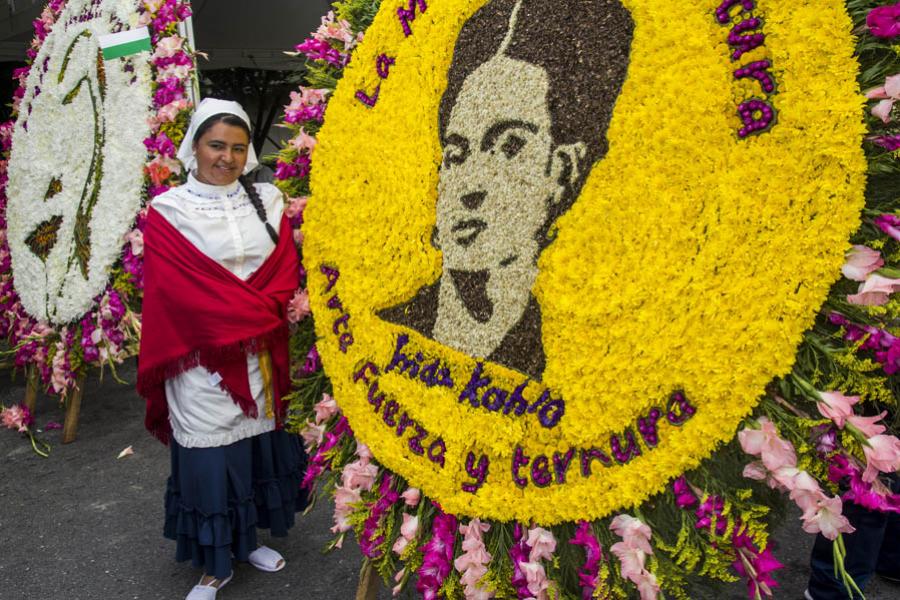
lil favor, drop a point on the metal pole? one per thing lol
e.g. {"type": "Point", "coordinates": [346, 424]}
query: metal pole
{"type": "Point", "coordinates": [186, 30]}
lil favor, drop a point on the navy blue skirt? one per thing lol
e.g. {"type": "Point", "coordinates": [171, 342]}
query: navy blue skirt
{"type": "Point", "coordinates": [216, 498]}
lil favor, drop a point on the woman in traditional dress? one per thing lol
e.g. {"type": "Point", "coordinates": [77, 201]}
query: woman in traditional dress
{"type": "Point", "coordinates": [220, 267]}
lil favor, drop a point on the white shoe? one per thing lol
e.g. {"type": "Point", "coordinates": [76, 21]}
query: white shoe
{"type": "Point", "coordinates": [807, 595]}
{"type": "Point", "coordinates": [208, 591]}
{"type": "Point", "coordinates": [266, 559]}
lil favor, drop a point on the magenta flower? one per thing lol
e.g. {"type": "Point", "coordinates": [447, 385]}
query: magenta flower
{"type": "Point", "coordinates": [684, 496]}
{"type": "Point", "coordinates": [369, 543]}
{"type": "Point", "coordinates": [884, 21]}
{"type": "Point", "coordinates": [890, 224]}
{"type": "Point", "coordinates": [764, 563]}
{"type": "Point", "coordinates": [589, 573]}
{"type": "Point", "coordinates": [437, 561]}
{"type": "Point", "coordinates": [321, 50]}
{"type": "Point", "coordinates": [888, 142]}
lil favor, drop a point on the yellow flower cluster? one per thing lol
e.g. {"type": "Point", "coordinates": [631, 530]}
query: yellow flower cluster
{"type": "Point", "coordinates": [693, 260]}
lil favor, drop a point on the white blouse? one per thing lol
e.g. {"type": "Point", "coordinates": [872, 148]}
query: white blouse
{"type": "Point", "coordinates": [222, 223]}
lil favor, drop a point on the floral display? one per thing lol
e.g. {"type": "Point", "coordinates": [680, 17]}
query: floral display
{"type": "Point", "coordinates": [703, 329]}
{"type": "Point", "coordinates": [91, 142]}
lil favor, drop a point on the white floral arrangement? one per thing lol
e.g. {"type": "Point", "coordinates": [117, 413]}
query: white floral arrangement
{"type": "Point", "coordinates": [91, 142]}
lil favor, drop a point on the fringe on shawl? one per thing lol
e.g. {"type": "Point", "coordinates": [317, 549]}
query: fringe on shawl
{"type": "Point", "coordinates": [151, 380]}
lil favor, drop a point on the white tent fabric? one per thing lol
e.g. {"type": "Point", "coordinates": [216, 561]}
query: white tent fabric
{"type": "Point", "coordinates": [233, 33]}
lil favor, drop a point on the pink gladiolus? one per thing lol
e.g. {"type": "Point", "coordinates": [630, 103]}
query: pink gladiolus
{"type": "Point", "coordinates": [825, 517]}
{"type": "Point", "coordinates": [756, 471]}
{"type": "Point", "coordinates": [633, 532]}
{"type": "Point", "coordinates": [408, 532]}
{"type": "Point", "coordinates": [363, 452]}
{"type": "Point", "coordinates": [647, 586]}
{"type": "Point", "coordinates": [312, 435]}
{"type": "Point", "coordinates": [536, 578]}
{"type": "Point", "coordinates": [861, 261]}
{"type": "Point", "coordinates": [884, 21]}
{"type": "Point", "coordinates": [888, 94]}
{"type": "Point", "coordinates": [398, 579]}
{"type": "Point", "coordinates": [295, 207]}
{"type": "Point", "coordinates": [632, 552]}
{"type": "Point", "coordinates": [875, 291]}
{"type": "Point", "coordinates": [804, 489]}
{"type": "Point", "coordinates": [869, 426]}
{"type": "Point", "coordinates": [765, 443]}
{"type": "Point", "coordinates": [16, 417]}
{"type": "Point", "coordinates": [298, 307]}
{"type": "Point", "coordinates": [631, 560]}
{"type": "Point", "coordinates": [168, 46]}
{"type": "Point", "coordinates": [542, 543]}
{"type": "Point", "coordinates": [332, 29]}
{"type": "Point", "coordinates": [344, 501]}
{"type": "Point", "coordinates": [472, 563]}
{"type": "Point", "coordinates": [303, 142]}
{"type": "Point", "coordinates": [359, 475]}
{"type": "Point", "coordinates": [882, 454]}
{"type": "Point", "coordinates": [325, 409]}
{"type": "Point", "coordinates": [135, 238]}
{"type": "Point", "coordinates": [836, 406]}
{"type": "Point", "coordinates": [411, 497]}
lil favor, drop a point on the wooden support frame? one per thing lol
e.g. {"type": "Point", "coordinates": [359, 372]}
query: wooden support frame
{"type": "Point", "coordinates": [31, 388]}
{"type": "Point", "coordinates": [73, 410]}
{"type": "Point", "coordinates": [368, 583]}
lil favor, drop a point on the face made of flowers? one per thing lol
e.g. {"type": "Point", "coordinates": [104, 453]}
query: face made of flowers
{"type": "Point", "coordinates": [502, 173]}
{"type": "Point", "coordinates": [221, 153]}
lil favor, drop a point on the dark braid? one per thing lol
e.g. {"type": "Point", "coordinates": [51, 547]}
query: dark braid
{"type": "Point", "coordinates": [258, 205]}
{"type": "Point", "coordinates": [235, 121]}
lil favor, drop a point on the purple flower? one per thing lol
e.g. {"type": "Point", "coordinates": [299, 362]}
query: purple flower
{"type": "Point", "coordinates": [884, 21]}
{"type": "Point", "coordinates": [825, 438]}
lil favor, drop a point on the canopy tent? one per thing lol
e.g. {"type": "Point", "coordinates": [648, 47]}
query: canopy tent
{"type": "Point", "coordinates": [233, 33]}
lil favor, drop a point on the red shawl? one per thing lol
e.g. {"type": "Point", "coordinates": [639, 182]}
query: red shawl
{"type": "Point", "coordinates": [196, 312]}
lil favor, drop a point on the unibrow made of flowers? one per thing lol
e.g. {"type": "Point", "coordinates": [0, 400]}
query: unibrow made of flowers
{"type": "Point", "coordinates": [92, 140]}
{"type": "Point", "coordinates": [594, 285]}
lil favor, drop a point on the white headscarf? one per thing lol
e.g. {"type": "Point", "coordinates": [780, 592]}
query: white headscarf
{"type": "Point", "coordinates": [207, 108]}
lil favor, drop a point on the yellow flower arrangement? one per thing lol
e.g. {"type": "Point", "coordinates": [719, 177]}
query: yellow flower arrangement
{"type": "Point", "coordinates": [692, 261]}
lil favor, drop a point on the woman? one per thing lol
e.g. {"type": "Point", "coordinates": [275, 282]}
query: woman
{"type": "Point", "coordinates": [220, 267]}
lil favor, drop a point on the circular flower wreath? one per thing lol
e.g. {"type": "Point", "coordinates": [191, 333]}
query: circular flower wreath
{"type": "Point", "coordinates": [109, 331]}
{"type": "Point", "coordinates": [820, 434]}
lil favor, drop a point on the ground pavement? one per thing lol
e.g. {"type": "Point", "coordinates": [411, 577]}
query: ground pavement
{"type": "Point", "coordinates": [83, 525]}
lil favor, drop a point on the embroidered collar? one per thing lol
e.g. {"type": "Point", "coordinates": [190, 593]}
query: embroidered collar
{"type": "Point", "coordinates": [212, 192]}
